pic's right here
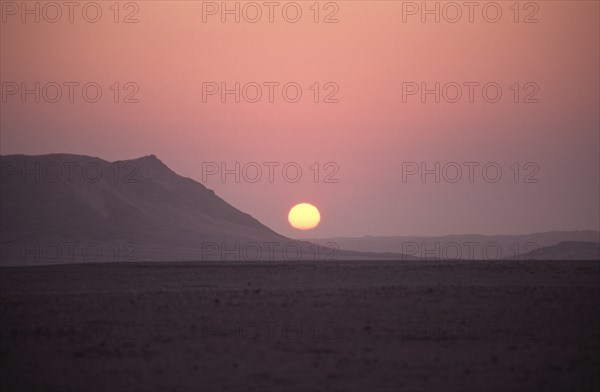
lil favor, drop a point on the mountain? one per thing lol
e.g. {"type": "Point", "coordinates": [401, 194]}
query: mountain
{"type": "Point", "coordinates": [466, 247]}
{"type": "Point", "coordinates": [63, 208]}
{"type": "Point", "coordinates": [61, 204]}
{"type": "Point", "coordinates": [568, 250]}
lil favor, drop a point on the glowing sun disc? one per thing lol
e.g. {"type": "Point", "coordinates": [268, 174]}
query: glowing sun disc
{"type": "Point", "coordinates": [304, 216]}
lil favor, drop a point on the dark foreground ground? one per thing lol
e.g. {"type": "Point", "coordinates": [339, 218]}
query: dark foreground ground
{"type": "Point", "coordinates": [348, 326]}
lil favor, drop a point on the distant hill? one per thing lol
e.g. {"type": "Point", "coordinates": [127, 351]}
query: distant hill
{"type": "Point", "coordinates": [466, 247]}
{"type": "Point", "coordinates": [63, 208]}
{"type": "Point", "coordinates": [568, 250]}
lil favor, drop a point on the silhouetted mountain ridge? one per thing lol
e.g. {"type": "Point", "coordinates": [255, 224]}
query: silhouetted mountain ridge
{"type": "Point", "coordinates": [567, 250]}
{"type": "Point", "coordinates": [463, 246]}
{"type": "Point", "coordinates": [139, 200]}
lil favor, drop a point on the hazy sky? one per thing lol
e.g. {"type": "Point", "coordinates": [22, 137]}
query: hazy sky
{"type": "Point", "coordinates": [375, 138]}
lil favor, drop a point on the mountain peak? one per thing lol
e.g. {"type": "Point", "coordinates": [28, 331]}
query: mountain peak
{"type": "Point", "coordinates": [149, 163]}
{"type": "Point", "coordinates": [148, 157]}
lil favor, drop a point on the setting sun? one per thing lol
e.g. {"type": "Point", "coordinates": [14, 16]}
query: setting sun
{"type": "Point", "coordinates": [304, 216]}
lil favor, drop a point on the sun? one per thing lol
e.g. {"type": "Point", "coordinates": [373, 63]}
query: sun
{"type": "Point", "coordinates": [304, 216]}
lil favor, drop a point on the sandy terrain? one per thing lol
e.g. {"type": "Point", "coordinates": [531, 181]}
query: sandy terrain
{"type": "Point", "coordinates": [329, 326]}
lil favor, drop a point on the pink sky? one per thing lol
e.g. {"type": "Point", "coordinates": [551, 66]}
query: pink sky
{"type": "Point", "coordinates": [369, 54]}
